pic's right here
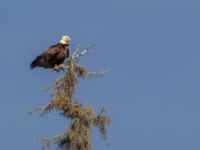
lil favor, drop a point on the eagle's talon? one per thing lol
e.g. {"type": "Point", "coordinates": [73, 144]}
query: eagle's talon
{"type": "Point", "coordinates": [56, 67]}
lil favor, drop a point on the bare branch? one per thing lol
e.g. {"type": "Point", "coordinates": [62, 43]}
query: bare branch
{"type": "Point", "coordinates": [84, 51]}
{"type": "Point", "coordinates": [77, 49]}
{"type": "Point", "coordinates": [99, 74]}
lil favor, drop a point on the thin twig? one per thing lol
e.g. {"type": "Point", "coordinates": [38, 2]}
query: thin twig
{"type": "Point", "coordinates": [40, 109]}
{"type": "Point", "coordinates": [99, 74]}
{"type": "Point", "coordinates": [84, 51]}
{"type": "Point", "coordinates": [49, 141]}
{"type": "Point", "coordinates": [52, 85]}
{"type": "Point", "coordinates": [76, 50]}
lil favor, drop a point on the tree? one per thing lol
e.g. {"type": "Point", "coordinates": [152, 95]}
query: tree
{"type": "Point", "coordinates": [82, 118]}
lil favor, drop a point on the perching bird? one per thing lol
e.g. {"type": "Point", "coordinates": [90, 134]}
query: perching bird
{"type": "Point", "coordinates": [54, 55]}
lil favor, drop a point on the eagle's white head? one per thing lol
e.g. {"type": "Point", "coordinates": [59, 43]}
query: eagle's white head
{"type": "Point", "coordinates": [65, 39]}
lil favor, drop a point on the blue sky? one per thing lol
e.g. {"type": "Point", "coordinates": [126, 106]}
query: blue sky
{"type": "Point", "coordinates": [152, 90]}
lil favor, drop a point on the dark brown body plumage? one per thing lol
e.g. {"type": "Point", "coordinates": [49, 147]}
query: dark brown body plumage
{"type": "Point", "coordinates": [55, 55]}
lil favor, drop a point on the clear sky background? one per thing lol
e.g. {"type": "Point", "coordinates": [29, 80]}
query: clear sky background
{"type": "Point", "coordinates": [152, 90]}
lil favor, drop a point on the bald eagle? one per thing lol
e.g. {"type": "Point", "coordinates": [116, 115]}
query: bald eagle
{"type": "Point", "coordinates": [54, 55]}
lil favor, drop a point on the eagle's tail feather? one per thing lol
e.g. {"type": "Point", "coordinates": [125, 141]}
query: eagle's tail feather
{"type": "Point", "coordinates": [36, 62]}
{"type": "Point", "coordinates": [33, 64]}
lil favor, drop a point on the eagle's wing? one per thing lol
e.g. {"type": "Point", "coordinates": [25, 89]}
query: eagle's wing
{"type": "Point", "coordinates": [52, 51]}
{"type": "Point", "coordinates": [45, 57]}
